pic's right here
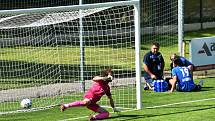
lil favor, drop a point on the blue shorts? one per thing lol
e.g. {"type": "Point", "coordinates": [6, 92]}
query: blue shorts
{"type": "Point", "coordinates": [185, 88]}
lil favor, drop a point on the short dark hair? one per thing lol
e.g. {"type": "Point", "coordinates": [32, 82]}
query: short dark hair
{"type": "Point", "coordinates": [177, 61]}
{"type": "Point", "coordinates": [156, 44]}
{"type": "Point", "coordinates": [173, 57]}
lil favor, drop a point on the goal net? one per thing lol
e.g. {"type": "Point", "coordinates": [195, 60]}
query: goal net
{"type": "Point", "coordinates": [50, 55]}
{"type": "Point", "coordinates": [161, 23]}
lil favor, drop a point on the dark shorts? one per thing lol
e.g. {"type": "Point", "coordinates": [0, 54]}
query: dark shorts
{"type": "Point", "coordinates": [93, 106]}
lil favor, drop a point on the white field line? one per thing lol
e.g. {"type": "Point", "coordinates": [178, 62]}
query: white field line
{"type": "Point", "coordinates": [181, 103]}
{"type": "Point", "coordinates": [69, 119]}
{"type": "Point", "coordinates": [28, 110]}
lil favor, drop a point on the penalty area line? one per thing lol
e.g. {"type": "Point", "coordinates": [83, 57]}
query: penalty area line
{"type": "Point", "coordinates": [193, 101]}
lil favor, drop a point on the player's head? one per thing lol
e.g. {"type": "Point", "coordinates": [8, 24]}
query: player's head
{"type": "Point", "coordinates": [155, 47]}
{"type": "Point", "coordinates": [107, 72]}
{"type": "Point", "coordinates": [174, 57]}
{"type": "Point", "coordinates": [176, 62]}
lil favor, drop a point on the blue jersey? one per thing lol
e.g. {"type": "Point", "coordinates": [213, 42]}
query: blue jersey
{"type": "Point", "coordinates": [184, 78]}
{"type": "Point", "coordinates": [155, 63]}
{"type": "Point", "coordinates": [184, 61]}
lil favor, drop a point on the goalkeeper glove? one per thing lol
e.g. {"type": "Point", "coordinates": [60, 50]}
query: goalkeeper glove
{"type": "Point", "coordinates": [109, 78]}
{"type": "Point", "coordinates": [115, 110]}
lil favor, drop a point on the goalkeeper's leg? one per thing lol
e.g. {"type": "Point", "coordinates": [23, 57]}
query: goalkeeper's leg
{"type": "Point", "coordinates": [102, 113]}
{"type": "Point", "coordinates": [75, 104]}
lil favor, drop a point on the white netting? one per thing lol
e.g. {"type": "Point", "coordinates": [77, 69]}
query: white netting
{"type": "Point", "coordinates": [35, 20]}
{"type": "Point", "coordinates": [40, 56]}
{"type": "Point", "coordinates": [160, 23]}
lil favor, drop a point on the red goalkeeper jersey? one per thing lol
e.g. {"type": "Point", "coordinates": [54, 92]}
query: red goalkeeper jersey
{"type": "Point", "coordinates": [97, 90]}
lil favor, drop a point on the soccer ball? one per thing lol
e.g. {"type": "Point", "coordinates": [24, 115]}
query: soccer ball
{"type": "Point", "coordinates": [26, 103]}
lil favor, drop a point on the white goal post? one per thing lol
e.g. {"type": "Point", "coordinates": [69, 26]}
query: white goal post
{"type": "Point", "coordinates": [42, 56]}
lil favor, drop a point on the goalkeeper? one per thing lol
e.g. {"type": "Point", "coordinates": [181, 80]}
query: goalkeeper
{"type": "Point", "coordinates": [99, 88]}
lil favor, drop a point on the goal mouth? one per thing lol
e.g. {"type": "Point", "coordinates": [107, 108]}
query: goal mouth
{"type": "Point", "coordinates": [49, 55]}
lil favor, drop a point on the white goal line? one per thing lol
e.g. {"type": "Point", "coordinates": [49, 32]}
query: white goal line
{"type": "Point", "coordinates": [28, 110]}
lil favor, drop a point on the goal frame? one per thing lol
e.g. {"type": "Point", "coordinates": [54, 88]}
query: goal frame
{"type": "Point", "coordinates": [135, 3]}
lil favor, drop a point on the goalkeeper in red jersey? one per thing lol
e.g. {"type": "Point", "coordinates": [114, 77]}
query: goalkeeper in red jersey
{"type": "Point", "coordinates": [99, 88]}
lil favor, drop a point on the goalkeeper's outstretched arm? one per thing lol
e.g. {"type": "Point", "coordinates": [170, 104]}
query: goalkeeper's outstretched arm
{"type": "Point", "coordinates": [98, 78]}
{"type": "Point", "coordinates": [112, 104]}
{"type": "Point", "coordinates": [106, 78]}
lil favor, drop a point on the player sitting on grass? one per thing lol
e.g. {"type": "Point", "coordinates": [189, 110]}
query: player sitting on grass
{"type": "Point", "coordinates": [183, 61]}
{"type": "Point", "coordinates": [94, 94]}
{"type": "Point", "coordinates": [182, 79]}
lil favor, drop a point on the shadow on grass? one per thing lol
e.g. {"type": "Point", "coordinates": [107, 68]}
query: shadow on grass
{"type": "Point", "coordinates": [142, 116]}
{"type": "Point", "coordinates": [207, 88]}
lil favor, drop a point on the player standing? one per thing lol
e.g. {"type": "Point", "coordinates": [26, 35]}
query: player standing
{"type": "Point", "coordinates": [99, 88]}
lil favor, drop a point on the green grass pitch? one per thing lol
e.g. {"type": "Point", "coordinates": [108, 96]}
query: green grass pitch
{"type": "Point", "coordinates": [192, 106]}
{"type": "Point", "coordinates": [184, 106]}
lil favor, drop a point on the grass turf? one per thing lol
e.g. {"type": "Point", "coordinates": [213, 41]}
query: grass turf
{"type": "Point", "coordinates": [194, 111]}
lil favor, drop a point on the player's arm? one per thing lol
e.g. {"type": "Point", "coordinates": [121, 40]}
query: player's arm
{"type": "Point", "coordinates": [146, 69]}
{"type": "Point", "coordinates": [171, 67]}
{"type": "Point", "coordinates": [190, 66]}
{"type": "Point", "coordinates": [173, 83]}
{"type": "Point", "coordinates": [162, 63]}
{"type": "Point", "coordinates": [98, 78]}
{"type": "Point", "coordinates": [112, 104]}
{"type": "Point", "coordinates": [107, 78]}
{"type": "Point", "coordinates": [146, 62]}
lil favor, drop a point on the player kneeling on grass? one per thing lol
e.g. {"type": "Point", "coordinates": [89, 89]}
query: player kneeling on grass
{"type": "Point", "coordinates": [182, 78]}
{"type": "Point", "coordinates": [99, 88]}
{"type": "Point", "coordinates": [153, 65]}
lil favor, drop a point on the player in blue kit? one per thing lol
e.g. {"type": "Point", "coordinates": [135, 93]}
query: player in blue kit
{"type": "Point", "coordinates": [182, 79]}
{"type": "Point", "coordinates": [183, 62]}
{"type": "Point", "coordinates": [153, 65]}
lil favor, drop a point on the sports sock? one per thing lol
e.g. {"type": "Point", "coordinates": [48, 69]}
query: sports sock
{"type": "Point", "coordinates": [102, 115]}
{"type": "Point", "coordinates": [75, 104]}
